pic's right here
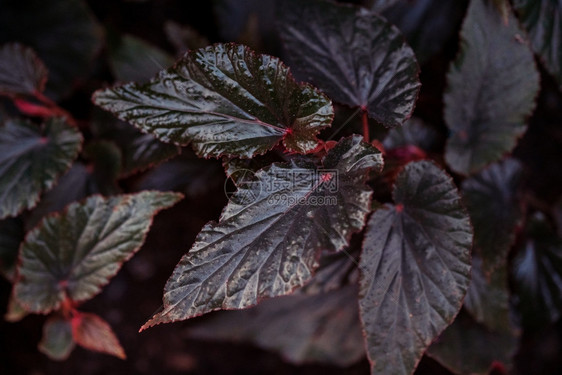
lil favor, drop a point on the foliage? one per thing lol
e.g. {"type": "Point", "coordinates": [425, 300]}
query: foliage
{"type": "Point", "coordinates": [352, 230]}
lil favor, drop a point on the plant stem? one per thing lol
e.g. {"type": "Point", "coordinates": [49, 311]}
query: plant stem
{"type": "Point", "coordinates": [365, 126]}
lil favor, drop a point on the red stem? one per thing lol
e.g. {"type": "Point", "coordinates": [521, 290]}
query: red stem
{"type": "Point", "coordinates": [54, 107]}
{"type": "Point", "coordinates": [365, 126]}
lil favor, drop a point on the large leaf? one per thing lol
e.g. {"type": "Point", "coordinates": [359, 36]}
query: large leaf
{"type": "Point", "coordinates": [93, 333]}
{"type": "Point", "coordinates": [57, 341]}
{"type": "Point", "coordinates": [226, 100]}
{"type": "Point", "coordinates": [323, 328]}
{"type": "Point", "coordinates": [492, 86]}
{"type": "Point", "coordinates": [426, 24]}
{"type": "Point", "coordinates": [352, 54]}
{"type": "Point", "coordinates": [132, 59]}
{"type": "Point", "coordinates": [21, 71]}
{"type": "Point", "coordinates": [269, 236]}
{"type": "Point", "coordinates": [487, 299]}
{"type": "Point", "coordinates": [64, 34]}
{"type": "Point", "coordinates": [542, 20]}
{"type": "Point", "coordinates": [11, 236]}
{"type": "Point", "coordinates": [31, 160]}
{"type": "Point", "coordinates": [537, 271]}
{"type": "Point", "coordinates": [468, 348]}
{"type": "Point", "coordinates": [74, 254]}
{"type": "Point", "coordinates": [490, 198]}
{"type": "Point", "coordinates": [415, 268]}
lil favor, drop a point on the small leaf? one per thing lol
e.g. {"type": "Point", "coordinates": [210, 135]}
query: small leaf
{"type": "Point", "coordinates": [490, 198]}
{"type": "Point", "coordinates": [487, 299]}
{"type": "Point", "coordinates": [542, 20]}
{"type": "Point", "coordinates": [352, 54]}
{"type": "Point", "coordinates": [468, 348]}
{"type": "Point", "coordinates": [426, 24]}
{"type": "Point", "coordinates": [21, 71]}
{"type": "Point", "coordinates": [64, 33]}
{"type": "Point", "coordinates": [537, 271]}
{"type": "Point", "coordinates": [57, 342]}
{"type": "Point", "coordinates": [415, 268]}
{"type": "Point", "coordinates": [74, 254]}
{"type": "Point", "coordinates": [132, 59]}
{"type": "Point", "coordinates": [324, 327]}
{"type": "Point", "coordinates": [93, 333]}
{"type": "Point", "coordinates": [11, 236]}
{"type": "Point", "coordinates": [31, 160]}
{"type": "Point", "coordinates": [269, 236]}
{"type": "Point", "coordinates": [225, 100]}
{"type": "Point", "coordinates": [414, 132]}
{"type": "Point", "coordinates": [492, 86]}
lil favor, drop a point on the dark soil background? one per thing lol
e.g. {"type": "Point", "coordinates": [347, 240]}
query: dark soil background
{"type": "Point", "coordinates": [136, 292]}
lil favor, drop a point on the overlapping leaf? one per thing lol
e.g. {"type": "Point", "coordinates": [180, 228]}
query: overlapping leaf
{"type": "Point", "coordinates": [469, 348]}
{"type": "Point", "coordinates": [73, 254]}
{"type": "Point", "coordinates": [269, 236]}
{"type": "Point", "coordinates": [542, 20]}
{"type": "Point", "coordinates": [323, 328]}
{"type": "Point", "coordinates": [31, 160]}
{"type": "Point", "coordinates": [490, 198]}
{"type": "Point", "coordinates": [225, 100]}
{"type": "Point", "coordinates": [132, 59]}
{"type": "Point", "coordinates": [537, 271]}
{"type": "Point", "coordinates": [492, 86]}
{"type": "Point", "coordinates": [64, 34]}
{"type": "Point", "coordinates": [352, 54]}
{"type": "Point", "coordinates": [21, 71]}
{"type": "Point", "coordinates": [415, 268]}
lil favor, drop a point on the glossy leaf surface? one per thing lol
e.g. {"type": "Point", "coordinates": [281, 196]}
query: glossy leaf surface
{"type": "Point", "coordinates": [352, 54]}
{"type": "Point", "coordinates": [74, 254]}
{"type": "Point", "coordinates": [269, 236]}
{"type": "Point", "coordinates": [21, 71]}
{"type": "Point", "coordinates": [225, 100]}
{"type": "Point", "coordinates": [492, 87]}
{"type": "Point", "coordinates": [31, 160]}
{"type": "Point", "coordinates": [415, 268]}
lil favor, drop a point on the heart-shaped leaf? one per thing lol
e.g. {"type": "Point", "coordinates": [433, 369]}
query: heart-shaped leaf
{"type": "Point", "coordinates": [490, 198]}
{"type": "Point", "coordinates": [93, 333]}
{"type": "Point", "coordinates": [269, 236]}
{"type": "Point", "coordinates": [492, 86]}
{"type": "Point", "coordinates": [225, 100]}
{"type": "Point", "coordinates": [324, 327]}
{"type": "Point", "coordinates": [352, 54]}
{"type": "Point", "coordinates": [21, 71]}
{"type": "Point", "coordinates": [57, 341]}
{"type": "Point", "coordinates": [31, 160]}
{"type": "Point", "coordinates": [415, 268]}
{"type": "Point", "coordinates": [64, 33]}
{"type": "Point", "coordinates": [542, 20]}
{"type": "Point", "coordinates": [74, 254]}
